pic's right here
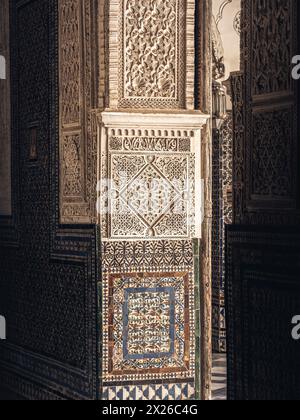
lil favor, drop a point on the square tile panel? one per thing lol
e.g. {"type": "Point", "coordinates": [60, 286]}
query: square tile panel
{"type": "Point", "coordinates": [149, 319]}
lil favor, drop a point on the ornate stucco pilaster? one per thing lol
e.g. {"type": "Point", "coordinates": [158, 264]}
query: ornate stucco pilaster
{"type": "Point", "coordinates": [150, 203]}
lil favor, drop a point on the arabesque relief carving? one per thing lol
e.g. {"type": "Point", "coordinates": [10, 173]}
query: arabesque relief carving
{"type": "Point", "coordinates": [150, 191]}
{"type": "Point", "coordinates": [78, 139]}
{"type": "Point", "coordinates": [151, 49]}
{"type": "Point", "coordinates": [150, 38]}
{"type": "Point", "coordinates": [264, 96]}
{"type": "Point", "coordinates": [272, 46]}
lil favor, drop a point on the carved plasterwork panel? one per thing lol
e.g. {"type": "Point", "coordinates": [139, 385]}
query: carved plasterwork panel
{"type": "Point", "coordinates": [217, 52]}
{"type": "Point", "coordinates": [272, 159]}
{"type": "Point", "coordinates": [148, 183]}
{"type": "Point", "coordinates": [237, 23]}
{"type": "Point", "coordinates": [150, 196]}
{"type": "Point", "coordinates": [72, 165]}
{"type": "Point", "coordinates": [77, 131]}
{"type": "Point", "coordinates": [271, 46]}
{"type": "Point", "coordinates": [265, 116]}
{"type": "Point", "coordinates": [237, 84]}
{"type": "Point", "coordinates": [150, 35]}
{"type": "Point", "coordinates": [151, 54]}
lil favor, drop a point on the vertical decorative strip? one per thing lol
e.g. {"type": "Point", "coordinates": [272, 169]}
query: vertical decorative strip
{"type": "Point", "coordinates": [78, 81]}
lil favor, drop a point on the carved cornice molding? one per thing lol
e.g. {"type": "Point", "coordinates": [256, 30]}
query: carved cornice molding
{"type": "Point", "coordinates": [192, 120]}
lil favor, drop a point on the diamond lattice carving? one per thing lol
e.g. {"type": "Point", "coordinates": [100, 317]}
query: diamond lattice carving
{"type": "Point", "coordinates": [149, 196]}
{"type": "Point", "coordinates": [150, 184]}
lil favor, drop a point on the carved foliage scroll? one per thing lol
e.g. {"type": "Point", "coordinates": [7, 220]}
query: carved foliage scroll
{"type": "Point", "coordinates": [49, 304]}
{"type": "Point", "coordinates": [151, 53]}
{"type": "Point", "coordinates": [70, 49]}
{"type": "Point", "coordinates": [150, 38]}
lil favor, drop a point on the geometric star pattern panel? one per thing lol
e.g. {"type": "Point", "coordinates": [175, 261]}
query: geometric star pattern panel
{"type": "Point", "coordinates": [151, 187]}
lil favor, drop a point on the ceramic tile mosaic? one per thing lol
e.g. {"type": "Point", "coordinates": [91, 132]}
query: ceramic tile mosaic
{"type": "Point", "coordinates": [155, 310]}
{"type": "Point", "coordinates": [171, 392]}
{"type": "Point", "coordinates": [219, 377]}
{"type": "Point", "coordinates": [222, 216]}
{"type": "Point", "coordinates": [149, 318]}
{"type": "Point", "coordinates": [141, 256]}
